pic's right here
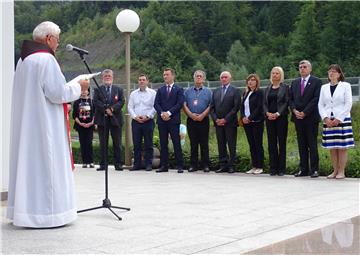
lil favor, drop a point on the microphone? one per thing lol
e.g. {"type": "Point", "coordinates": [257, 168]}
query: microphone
{"type": "Point", "coordinates": [69, 47]}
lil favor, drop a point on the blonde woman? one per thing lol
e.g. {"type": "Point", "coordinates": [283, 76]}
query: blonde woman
{"type": "Point", "coordinates": [334, 107]}
{"type": "Point", "coordinates": [252, 116]}
{"type": "Point", "coordinates": [276, 102]}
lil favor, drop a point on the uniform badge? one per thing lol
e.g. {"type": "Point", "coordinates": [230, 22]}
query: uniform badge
{"type": "Point", "coordinates": [116, 98]}
{"type": "Point", "coordinates": [195, 102]}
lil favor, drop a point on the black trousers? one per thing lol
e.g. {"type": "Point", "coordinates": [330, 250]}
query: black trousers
{"type": "Point", "coordinates": [254, 134]}
{"type": "Point", "coordinates": [174, 130]}
{"type": "Point", "coordinates": [199, 137]}
{"type": "Point", "coordinates": [86, 138]}
{"type": "Point", "coordinates": [142, 131]}
{"type": "Point", "coordinates": [307, 132]}
{"type": "Point", "coordinates": [277, 135]}
{"type": "Point", "coordinates": [116, 138]}
{"type": "Point", "coordinates": [226, 136]}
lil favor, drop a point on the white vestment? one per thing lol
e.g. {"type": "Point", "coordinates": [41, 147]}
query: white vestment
{"type": "Point", "coordinates": [41, 184]}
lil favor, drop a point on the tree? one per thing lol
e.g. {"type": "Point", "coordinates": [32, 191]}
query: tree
{"type": "Point", "coordinates": [305, 40]}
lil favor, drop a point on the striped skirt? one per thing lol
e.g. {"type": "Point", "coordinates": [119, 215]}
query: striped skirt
{"type": "Point", "coordinates": [340, 137]}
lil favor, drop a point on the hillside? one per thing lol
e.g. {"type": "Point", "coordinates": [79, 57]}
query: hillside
{"type": "Point", "coordinates": [242, 37]}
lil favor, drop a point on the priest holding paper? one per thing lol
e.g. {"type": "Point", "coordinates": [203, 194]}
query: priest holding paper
{"type": "Point", "coordinates": [41, 185]}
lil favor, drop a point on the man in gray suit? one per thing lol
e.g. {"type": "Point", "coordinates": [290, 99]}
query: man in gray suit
{"type": "Point", "coordinates": [224, 107]}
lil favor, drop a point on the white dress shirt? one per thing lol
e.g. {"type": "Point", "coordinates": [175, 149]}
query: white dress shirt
{"type": "Point", "coordinates": [141, 103]}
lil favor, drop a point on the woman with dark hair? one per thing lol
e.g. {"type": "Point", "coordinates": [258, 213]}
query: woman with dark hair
{"type": "Point", "coordinates": [276, 102]}
{"type": "Point", "coordinates": [334, 107]}
{"type": "Point", "coordinates": [252, 117]}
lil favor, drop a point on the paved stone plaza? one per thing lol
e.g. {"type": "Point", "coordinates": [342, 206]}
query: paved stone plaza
{"type": "Point", "coordinates": [190, 213]}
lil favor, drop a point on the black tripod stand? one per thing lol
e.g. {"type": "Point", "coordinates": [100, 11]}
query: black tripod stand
{"type": "Point", "coordinates": [106, 202]}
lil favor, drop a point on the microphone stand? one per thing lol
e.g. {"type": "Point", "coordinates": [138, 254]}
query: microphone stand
{"type": "Point", "coordinates": [106, 203]}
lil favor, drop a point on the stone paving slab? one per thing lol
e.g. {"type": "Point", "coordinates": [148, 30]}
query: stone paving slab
{"type": "Point", "coordinates": [190, 213]}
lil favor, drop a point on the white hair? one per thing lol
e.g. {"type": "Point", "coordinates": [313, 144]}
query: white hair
{"type": "Point", "coordinates": [45, 28]}
{"type": "Point", "coordinates": [226, 72]}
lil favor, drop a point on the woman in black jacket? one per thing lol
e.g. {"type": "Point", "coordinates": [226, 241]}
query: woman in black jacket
{"type": "Point", "coordinates": [276, 102]}
{"type": "Point", "coordinates": [252, 117]}
{"type": "Point", "coordinates": [83, 114]}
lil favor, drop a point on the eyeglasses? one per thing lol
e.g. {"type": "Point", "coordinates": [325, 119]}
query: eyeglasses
{"type": "Point", "coordinates": [199, 76]}
{"type": "Point", "coordinates": [302, 67]}
{"type": "Point", "coordinates": [57, 38]}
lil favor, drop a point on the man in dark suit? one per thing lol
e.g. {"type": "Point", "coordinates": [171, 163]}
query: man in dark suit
{"type": "Point", "coordinates": [304, 97]}
{"type": "Point", "coordinates": [168, 104]}
{"type": "Point", "coordinates": [108, 117]}
{"type": "Point", "coordinates": [224, 107]}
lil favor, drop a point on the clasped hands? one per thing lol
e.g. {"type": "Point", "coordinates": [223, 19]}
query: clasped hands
{"type": "Point", "coordinates": [331, 122]}
{"type": "Point", "coordinates": [165, 116]}
{"type": "Point", "coordinates": [220, 122]}
{"type": "Point", "coordinates": [299, 115]}
{"type": "Point", "coordinates": [272, 116]}
{"type": "Point", "coordinates": [142, 119]}
{"type": "Point", "coordinates": [197, 116]}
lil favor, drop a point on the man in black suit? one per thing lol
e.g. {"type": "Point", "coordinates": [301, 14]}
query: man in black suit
{"type": "Point", "coordinates": [304, 97]}
{"type": "Point", "coordinates": [168, 104]}
{"type": "Point", "coordinates": [224, 107]}
{"type": "Point", "coordinates": [108, 117]}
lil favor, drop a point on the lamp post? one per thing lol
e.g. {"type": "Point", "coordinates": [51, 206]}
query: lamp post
{"type": "Point", "coordinates": [127, 21]}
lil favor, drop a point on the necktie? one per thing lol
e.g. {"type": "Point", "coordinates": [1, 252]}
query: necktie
{"type": "Point", "coordinates": [302, 86]}
{"type": "Point", "coordinates": [223, 92]}
{"type": "Point", "coordinates": [168, 89]}
{"type": "Point", "coordinates": [108, 93]}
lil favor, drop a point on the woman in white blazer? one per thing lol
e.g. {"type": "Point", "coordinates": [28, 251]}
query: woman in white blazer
{"type": "Point", "coordinates": [334, 107]}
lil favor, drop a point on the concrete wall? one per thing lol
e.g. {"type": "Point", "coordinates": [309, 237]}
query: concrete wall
{"type": "Point", "coordinates": [6, 74]}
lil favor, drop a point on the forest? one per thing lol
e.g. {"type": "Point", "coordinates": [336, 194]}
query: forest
{"type": "Point", "coordinates": [242, 37]}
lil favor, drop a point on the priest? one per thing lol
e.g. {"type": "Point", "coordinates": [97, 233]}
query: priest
{"type": "Point", "coordinates": [41, 185]}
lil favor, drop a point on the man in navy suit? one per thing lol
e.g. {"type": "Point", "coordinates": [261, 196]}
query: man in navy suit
{"type": "Point", "coordinates": [304, 97]}
{"type": "Point", "coordinates": [168, 104]}
{"type": "Point", "coordinates": [108, 117]}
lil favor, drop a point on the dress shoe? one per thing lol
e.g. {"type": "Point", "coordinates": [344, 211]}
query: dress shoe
{"type": "Point", "coordinates": [180, 170]}
{"type": "Point", "coordinates": [118, 167]}
{"type": "Point", "coordinates": [162, 169]}
{"type": "Point", "coordinates": [340, 176]}
{"type": "Point", "coordinates": [331, 176]}
{"type": "Point", "coordinates": [192, 169]}
{"type": "Point", "coordinates": [91, 165]}
{"type": "Point", "coordinates": [231, 170]}
{"type": "Point", "coordinates": [272, 174]}
{"type": "Point", "coordinates": [148, 168]}
{"type": "Point", "coordinates": [281, 174]}
{"type": "Point", "coordinates": [206, 169]}
{"type": "Point", "coordinates": [258, 171]}
{"type": "Point", "coordinates": [84, 166]}
{"type": "Point", "coordinates": [314, 174]}
{"type": "Point", "coordinates": [300, 174]}
{"type": "Point", "coordinates": [222, 170]}
{"type": "Point", "coordinates": [251, 171]}
{"type": "Point", "coordinates": [101, 168]}
{"type": "Point", "coordinates": [135, 168]}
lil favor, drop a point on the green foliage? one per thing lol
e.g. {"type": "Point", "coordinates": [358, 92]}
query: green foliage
{"type": "Point", "coordinates": [240, 36]}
